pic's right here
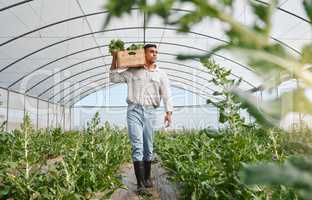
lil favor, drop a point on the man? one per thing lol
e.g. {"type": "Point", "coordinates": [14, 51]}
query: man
{"type": "Point", "coordinates": [146, 87]}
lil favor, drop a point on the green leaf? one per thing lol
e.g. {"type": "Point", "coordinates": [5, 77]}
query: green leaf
{"type": "Point", "coordinates": [116, 45]}
{"type": "Point", "coordinates": [222, 117]}
{"type": "Point", "coordinates": [227, 73]}
{"type": "Point", "coordinates": [227, 2]}
{"type": "Point", "coordinates": [160, 8]}
{"type": "Point", "coordinates": [289, 174]}
{"type": "Point", "coordinates": [306, 57]}
{"type": "Point", "coordinates": [216, 93]}
{"type": "Point", "coordinates": [202, 57]}
{"type": "Point", "coordinates": [262, 11]}
{"type": "Point", "coordinates": [117, 9]}
{"type": "Point", "coordinates": [307, 4]}
{"type": "Point", "coordinates": [189, 19]}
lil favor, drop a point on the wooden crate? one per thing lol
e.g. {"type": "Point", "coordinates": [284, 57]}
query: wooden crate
{"type": "Point", "coordinates": [135, 58]}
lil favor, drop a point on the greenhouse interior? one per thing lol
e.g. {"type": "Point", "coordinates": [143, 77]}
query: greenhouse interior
{"type": "Point", "coordinates": [219, 108]}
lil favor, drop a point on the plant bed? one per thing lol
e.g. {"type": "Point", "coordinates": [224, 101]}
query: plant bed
{"type": "Point", "coordinates": [206, 164]}
{"type": "Point", "coordinates": [58, 165]}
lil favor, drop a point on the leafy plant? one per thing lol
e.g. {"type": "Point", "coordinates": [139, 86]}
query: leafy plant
{"type": "Point", "coordinates": [94, 125]}
{"type": "Point", "coordinates": [133, 47]}
{"type": "Point", "coordinates": [59, 165]}
{"type": "Point", "coordinates": [209, 169]}
{"type": "Point", "coordinates": [229, 108]}
{"type": "Point", "coordinates": [2, 126]}
{"type": "Point", "coordinates": [116, 45]}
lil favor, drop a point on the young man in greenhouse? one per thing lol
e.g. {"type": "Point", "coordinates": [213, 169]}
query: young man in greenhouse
{"type": "Point", "coordinates": [146, 87]}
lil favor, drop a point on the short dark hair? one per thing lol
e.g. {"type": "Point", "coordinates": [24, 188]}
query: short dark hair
{"type": "Point", "coordinates": [149, 46]}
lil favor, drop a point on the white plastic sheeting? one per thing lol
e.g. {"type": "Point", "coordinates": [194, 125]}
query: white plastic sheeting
{"type": "Point", "coordinates": [67, 58]}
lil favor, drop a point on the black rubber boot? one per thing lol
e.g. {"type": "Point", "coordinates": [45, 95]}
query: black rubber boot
{"type": "Point", "coordinates": [139, 173]}
{"type": "Point", "coordinates": [147, 174]}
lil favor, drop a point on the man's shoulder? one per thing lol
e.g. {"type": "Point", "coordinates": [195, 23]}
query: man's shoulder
{"type": "Point", "coordinates": [162, 72]}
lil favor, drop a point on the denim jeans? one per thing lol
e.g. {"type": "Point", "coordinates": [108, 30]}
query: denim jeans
{"type": "Point", "coordinates": [141, 122]}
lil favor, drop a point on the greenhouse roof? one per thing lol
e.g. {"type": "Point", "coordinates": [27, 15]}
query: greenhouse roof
{"type": "Point", "coordinates": [58, 51]}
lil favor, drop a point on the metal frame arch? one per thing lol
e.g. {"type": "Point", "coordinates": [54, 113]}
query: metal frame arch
{"type": "Point", "coordinates": [230, 60]}
{"type": "Point", "coordinates": [153, 42]}
{"type": "Point", "coordinates": [104, 12]}
{"type": "Point", "coordinates": [197, 69]}
{"type": "Point", "coordinates": [56, 43]}
{"type": "Point", "coordinates": [286, 11]}
{"type": "Point", "coordinates": [87, 78]}
{"type": "Point", "coordinates": [53, 74]}
{"type": "Point", "coordinates": [94, 58]}
{"type": "Point", "coordinates": [67, 20]}
{"type": "Point", "coordinates": [61, 99]}
{"type": "Point", "coordinates": [80, 87]}
{"type": "Point", "coordinates": [53, 61]}
{"type": "Point", "coordinates": [94, 76]}
{"type": "Point", "coordinates": [173, 85]}
{"type": "Point", "coordinates": [193, 92]}
{"type": "Point", "coordinates": [171, 69]}
{"type": "Point", "coordinates": [81, 72]}
{"type": "Point", "coordinates": [95, 89]}
{"type": "Point", "coordinates": [15, 5]}
{"type": "Point", "coordinates": [46, 78]}
{"type": "Point", "coordinates": [169, 75]}
{"type": "Point", "coordinates": [90, 33]}
{"type": "Point", "coordinates": [158, 61]}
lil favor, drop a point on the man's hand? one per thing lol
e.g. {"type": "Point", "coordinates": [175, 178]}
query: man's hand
{"type": "Point", "coordinates": [114, 54]}
{"type": "Point", "coordinates": [114, 62]}
{"type": "Point", "coordinates": [168, 119]}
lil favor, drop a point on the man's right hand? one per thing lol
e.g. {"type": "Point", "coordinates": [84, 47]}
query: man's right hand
{"type": "Point", "coordinates": [114, 54]}
{"type": "Point", "coordinates": [114, 63]}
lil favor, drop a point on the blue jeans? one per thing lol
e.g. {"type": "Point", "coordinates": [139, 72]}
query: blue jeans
{"type": "Point", "coordinates": [141, 122]}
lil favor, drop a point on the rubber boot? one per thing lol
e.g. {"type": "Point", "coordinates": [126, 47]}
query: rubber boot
{"type": "Point", "coordinates": [147, 174]}
{"type": "Point", "coordinates": [139, 173]}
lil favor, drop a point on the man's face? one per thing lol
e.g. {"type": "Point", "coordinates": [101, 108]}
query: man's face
{"type": "Point", "coordinates": [151, 54]}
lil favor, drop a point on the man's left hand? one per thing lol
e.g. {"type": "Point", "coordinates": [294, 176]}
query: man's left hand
{"type": "Point", "coordinates": [168, 119]}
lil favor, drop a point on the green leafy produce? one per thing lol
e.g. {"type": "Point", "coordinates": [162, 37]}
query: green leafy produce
{"type": "Point", "coordinates": [119, 45]}
{"type": "Point", "coordinates": [133, 47]}
{"type": "Point", "coordinates": [116, 45]}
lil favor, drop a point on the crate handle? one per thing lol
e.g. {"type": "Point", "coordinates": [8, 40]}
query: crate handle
{"type": "Point", "coordinates": [131, 53]}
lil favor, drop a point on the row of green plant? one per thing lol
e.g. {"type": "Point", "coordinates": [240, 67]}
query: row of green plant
{"type": "Point", "coordinates": [207, 164]}
{"type": "Point", "coordinates": [54, 164]}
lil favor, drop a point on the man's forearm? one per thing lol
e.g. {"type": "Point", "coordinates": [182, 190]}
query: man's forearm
{"type": "Point", "coordinates": [114, 63]}
{"type": "Point", "coordinates": [169, 112]}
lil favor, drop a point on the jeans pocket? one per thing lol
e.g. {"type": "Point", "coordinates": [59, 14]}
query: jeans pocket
{"type": "Point", "coordinates": [131, 106]}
